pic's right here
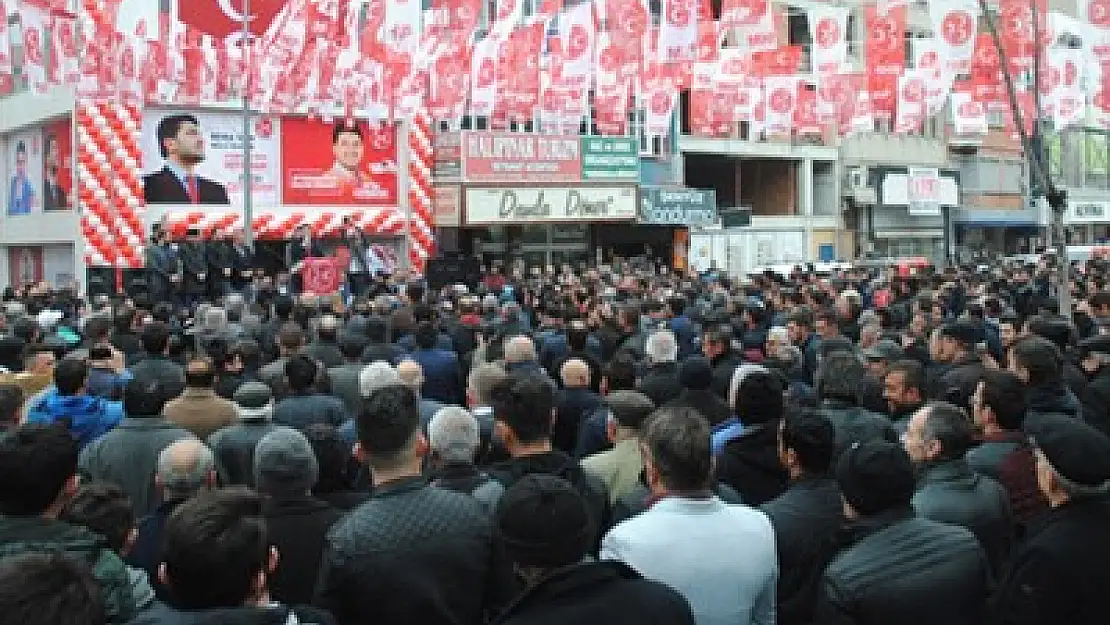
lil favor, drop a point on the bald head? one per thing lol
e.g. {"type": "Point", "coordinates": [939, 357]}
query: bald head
{"type": "Point", "coordinates": [185, 467]}
{"type": "Point", "coordinates": [575, 374]}
{"type": "Point", "coordinates": [520, 349]}
{"type": "Point", "coordinates": [412, 374]}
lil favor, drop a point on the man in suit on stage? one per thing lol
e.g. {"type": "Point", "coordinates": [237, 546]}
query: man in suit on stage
{"type": "Point", "coordinates": [182, 146]}
{"type": "Point", "coordinates": [194, 268]}
{"type": "Point", "coordinates": [242, 262]}
{"type": "Point", "coordinates": [358, 269]}
{"type": "Point", "coordinates": [161, 266]}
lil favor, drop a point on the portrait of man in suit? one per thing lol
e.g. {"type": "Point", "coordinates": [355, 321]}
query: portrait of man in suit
{"type": "Point", "coordinates": [21, 193]}
{"type": "Point", "coordinates": [348, 145]}
{"type": "Point", "coordinates": [182, 146]}
{"type": "Point", "coordinates": [54, 195]}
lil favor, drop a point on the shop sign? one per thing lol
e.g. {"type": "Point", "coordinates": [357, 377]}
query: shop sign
{"type": "Point", "coordinates": [521, 157]}
{"type": "Point", "coordinates": [446, 204]}
{"type": "Point", "coordinates": [447, 156]}
{"type": "Point", "coordinates": [1087, 212]}
{"type": "Point", "coordinates": [610, 158]}
{"type": "Point", "coordinates": [551, 204]}
{"type": "Point", "coordinates": [923, 191]}
{"type": "Point", "coordinates": [678, 206]}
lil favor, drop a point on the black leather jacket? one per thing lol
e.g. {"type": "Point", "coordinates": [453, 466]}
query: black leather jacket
{"type": "Point", "coordinates": [950, 492]}
{"type": "Point", "coordinates": [905, 570]}
{"type": "Point", "coordinates": [413, 553]}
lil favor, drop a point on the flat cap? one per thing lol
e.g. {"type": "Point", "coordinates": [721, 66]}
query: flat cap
{"type": "Point", "coordinates": [1096, 344]}
{"type": "Point", "coordinates": [1077, 451]}
{"type": "Point", "coordinates": [629, 408]}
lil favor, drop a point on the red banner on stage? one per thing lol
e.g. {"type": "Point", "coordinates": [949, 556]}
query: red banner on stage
{"type": "Point", "coordinates": [322, 276]}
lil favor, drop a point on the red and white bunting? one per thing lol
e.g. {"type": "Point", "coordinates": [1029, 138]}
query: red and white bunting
{"type": "Point", "coordinates": [828, 30]}
{"type": "Point", "coordinates": [955, 24]}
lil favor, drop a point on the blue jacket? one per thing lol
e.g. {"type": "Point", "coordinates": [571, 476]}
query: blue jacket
{"type": "Point", "coordinates": [442, 375]}
{"type": "Point", "coordinates": [686, 333]}
{"type": "Point", "coordinates": [88, 417]}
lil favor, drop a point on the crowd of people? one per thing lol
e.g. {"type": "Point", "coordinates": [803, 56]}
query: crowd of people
{"type": "Point", "coordinates": [604, 446]}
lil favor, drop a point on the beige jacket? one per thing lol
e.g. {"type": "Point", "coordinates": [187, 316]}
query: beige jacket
{"type": "Point", "coordinates": [619, 468]}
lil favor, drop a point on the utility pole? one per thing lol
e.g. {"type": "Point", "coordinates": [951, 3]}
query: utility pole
{"type": "Point", "coordinates": [248, 166]}
{"type": "Point", "coordinates": [1040, 178]}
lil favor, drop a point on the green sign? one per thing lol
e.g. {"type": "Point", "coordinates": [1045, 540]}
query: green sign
{"type": "Point", "coordinates": [610, 158]}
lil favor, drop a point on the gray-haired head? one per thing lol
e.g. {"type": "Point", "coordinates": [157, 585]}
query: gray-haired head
{"type": "Point", "coordinates": [185, 467]}
{"type": "Point", "coordinates": [284, 462]}
{"type": "Point", "coordinates": [235, 305]}
{"type": "Point", "coordinates": [838, 376]}
{"type": "Point", "coordinates": [482, 381]}
{"type": "Point", "coordinates": [520, 349]}
{"type": "Point", "coordinates": [378, 374]}
{"type": "Point", "coordinates": [661, 346]}
{"type": "Point", "coordinates": [453, 434]}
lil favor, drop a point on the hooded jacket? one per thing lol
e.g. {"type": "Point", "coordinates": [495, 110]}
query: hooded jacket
{"type": "Point", "coordinates": [750, 464]}
{"type": "Point", "coordinates": [551, 463]}
{"type": "Point", "coordinates": [85, 416]}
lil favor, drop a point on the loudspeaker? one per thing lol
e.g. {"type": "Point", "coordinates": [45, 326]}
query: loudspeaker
{"type": "Point", "coordinates": [441, 272]}
{"type": "Point", "coordinates": [100, 281]}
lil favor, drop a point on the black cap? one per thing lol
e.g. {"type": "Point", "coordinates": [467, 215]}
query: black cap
{"type": "Point", "coordinates": [875, 476]}
{"type": "Point", "coordinates": [1077, 451]}
{"type": "Point", "coordinates": [544, 522]}
{"type": "Point", "coordinates": [963, 331]}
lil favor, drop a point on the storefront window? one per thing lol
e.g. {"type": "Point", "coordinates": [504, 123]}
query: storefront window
{"type": "Point", "coordinates": [569, 233]}
{"type": "Point", "coordinates": [534, 234]}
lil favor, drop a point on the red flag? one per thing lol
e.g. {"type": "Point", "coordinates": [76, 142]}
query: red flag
{"type": "Point", "coordinates": [805, 111]}
{"type": "Point", "coordinates": [884, 43]}
{"type": "Point", "coordinates": [221, 18]}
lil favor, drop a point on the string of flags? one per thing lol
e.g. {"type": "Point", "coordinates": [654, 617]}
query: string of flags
{"type": "Point", "coordinates": [556, 65]}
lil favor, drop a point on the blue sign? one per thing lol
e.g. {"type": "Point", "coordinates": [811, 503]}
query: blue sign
{"type": "Point", "coordinates": [678, 206]}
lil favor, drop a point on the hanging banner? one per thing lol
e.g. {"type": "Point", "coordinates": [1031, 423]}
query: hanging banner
{"type": "Point", "coordinates": [752, 22]}
{"type": "Point", "coordinates": [781, 96]}
{"type": "Point", "coordinates": [884, 41]}
{"type": "Point", "coordinates": [224, 18]}
{"type": "Point", "coordinates": [678, 31]}
{"type": "Point", "coordinates": [338, 164]}
{"type": "Point", "coordinates": [578, 45]}
{"type": "Point", "coordinates": [828, 28]}
{"type": "Point", "coordinates": [33, 23]}
{"type": "Point", "coordinates": [955, 23]}
{"type": "Point", "coordinates": [209, 144]}
{"type": "Point", "coordinates": [912, 88]}
{"type": "Point", "coordinates": [923, 192]}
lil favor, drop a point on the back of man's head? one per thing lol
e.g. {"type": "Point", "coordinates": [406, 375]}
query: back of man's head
{"type": "Point", "coordinates": [200, 374]}
{"type": "Point", "coordinates": [678, 447]}
{"type": "Point", "coordinates": [290, 338]}
{"type": "Point", "coordinates": [185, 467]}
{"type": "Point", "coordinates": [661, 347]}
{"type": "Point", "coordinates": [1040, 359]}
{"type": "Point", "coordinates": [215, 547]}
{"type": "Point", "coordinates": [144, 395]}
{"type": "Point", "coordinates": [378, 374]}
{"type": "Point", "coordinates": [70, 376]}
{"type": "Point", "coordinates": [1005, 395]}
{"type": "Point", "coordinates": [575, 374]}
{"type": "Point", "coordinates": [351, 346]}
{"type": "Point", "coordinates": [950, 426]}
{"type": "Point", "coordinates": [520, 349]}
{"type": "Point", "coordinates": [481, 382]}
{"type": "Point", "coordinates": [388, 427]}
{"type": "Point", "coordinates": [300, 371]}
{"type": "Point", "coordinates": [545, 523]}
{"type": "Point", "coordinates": [49, 588]}
{"type": "Point", "coordinates": [37, 462]}
{"type": "Point", "coordinates": [759, 397]}
{"type": "Point", "coordinates": [285, 464]}
{"type": "Point", "coordinates": [454, 435]}
{"type": "Point", "coordinates": [105, 509]}
{"type": "Point", "coordinates": [524, 404]}
{"type": "Point", "coordinates": [411, 374]}
{"type": "Point", "coordinates": [838, 377]}
{"type": "Point", "coordinates": [812, 439]}
{"type": "Point", "coordinates": [155, 338]}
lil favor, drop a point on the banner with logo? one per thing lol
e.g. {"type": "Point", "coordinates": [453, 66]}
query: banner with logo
{"type": "Point", "coordinates": [211, 149]}
{"type": "Point", "coordinates": [828, 30]}
{"type": "Point", "coordinates": [224, 18]}
{"type": "Point", "coordinates": [549, 204]}
{"type": "Point", "coordinates": [955, 23]}
{"type": "Point", "coordinates": [337, 164]}
{"type": "Point", "coordinates": [969, 117]}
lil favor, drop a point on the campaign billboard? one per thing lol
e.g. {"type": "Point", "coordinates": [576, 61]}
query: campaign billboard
{"type": "Point", "coordinates": [339, 163]}
{"type": "Point", "coordinates": [23, 191]}
{"type": "Point", "coordinates": [196, 157]}
{"type": "Point", "coordinates": [57, 165]}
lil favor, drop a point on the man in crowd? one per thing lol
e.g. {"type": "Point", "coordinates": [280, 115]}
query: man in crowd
{"type": "Point", "coordinates": [683, 539]}
{"type": "Point", "coordinates": [619, 468]}
{"type": "Point", "coordinates": [904, 389]}
{"type": "Point", "coordinates": [69, 406]}
{"type": "Point", "coordinates": [937, 440]}
{"type": "Point", "coordinates": [379, 561]}
{"type": "Point", "coordinates": [898, 568]}
{"type": "Point", "coordinates": [305, 405]}
{"type": "Point", "coordinates": [198, 409]}
{"type": "Point", "coordinates": [156, 363]}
